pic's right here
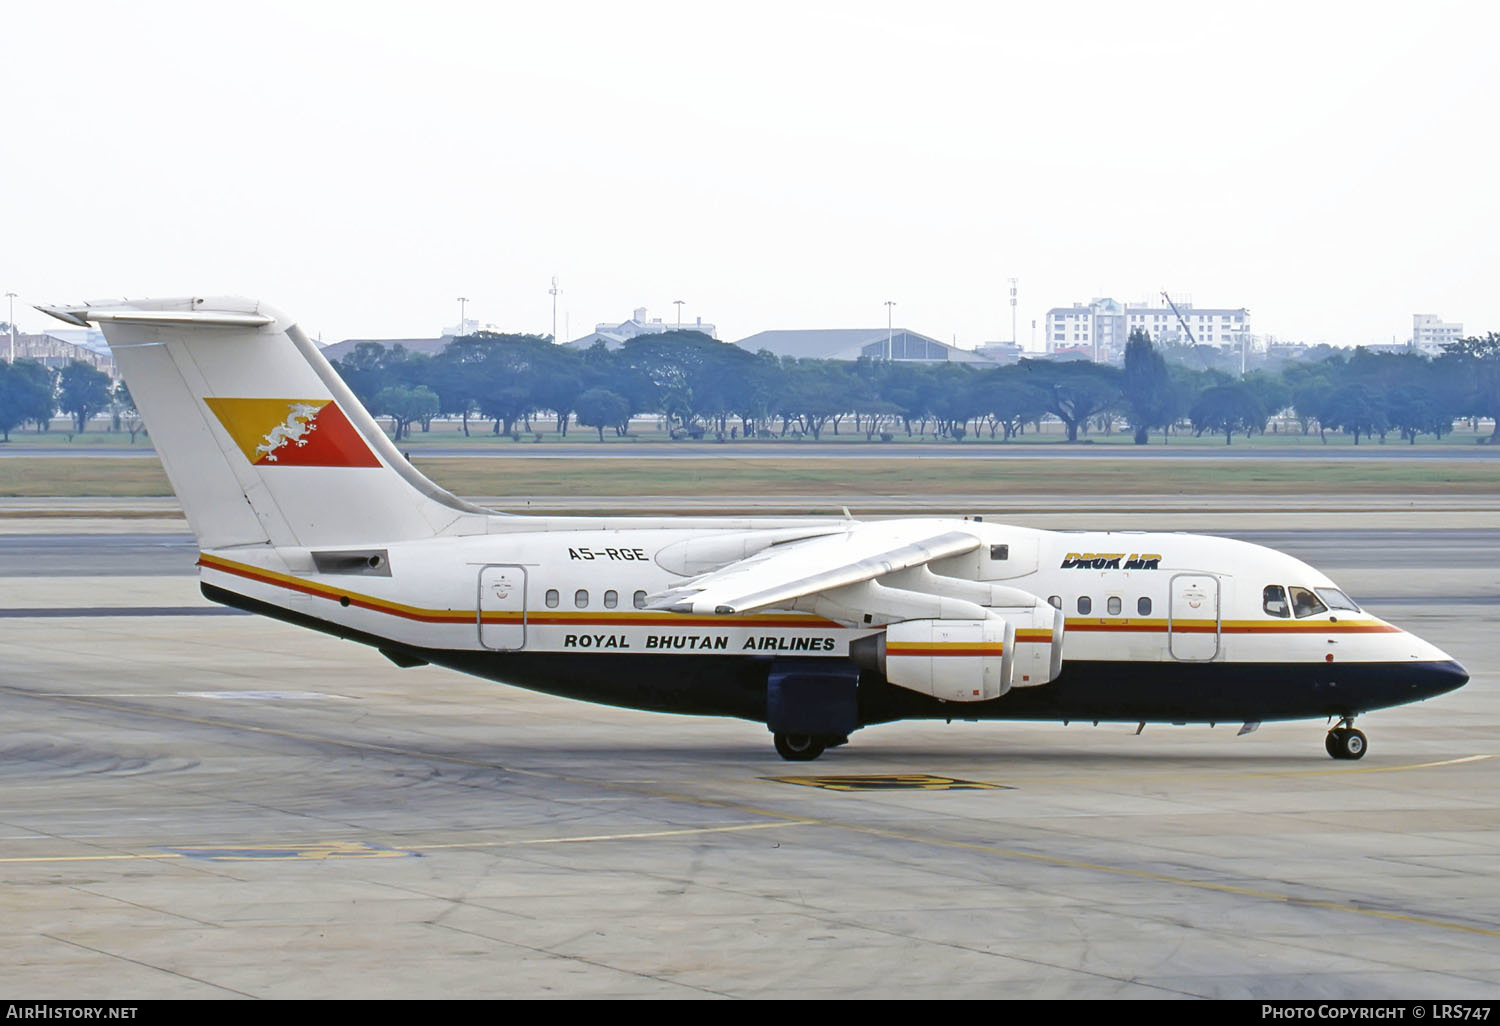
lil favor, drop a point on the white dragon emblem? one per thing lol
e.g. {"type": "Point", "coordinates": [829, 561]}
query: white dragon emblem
{"type": "Point", "coordinates": [298, 423]}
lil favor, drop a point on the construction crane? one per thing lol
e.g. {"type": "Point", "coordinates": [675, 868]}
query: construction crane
{"type": "Point", "coordinates": [1244, 342]}
{"type": "Point", "coordinates": [1180, 319]}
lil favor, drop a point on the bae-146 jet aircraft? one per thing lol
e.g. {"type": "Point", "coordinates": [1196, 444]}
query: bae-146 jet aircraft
{"type": "Point", "coordinates": [306, 512]}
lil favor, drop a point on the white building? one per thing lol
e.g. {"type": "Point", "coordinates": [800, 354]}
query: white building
{"type": "Point", "coordinates": [615, 335]}
{"type": "Point", "coordinates": [1429, 333]}
{"type": "Point", "coordinates": [1103, 326]}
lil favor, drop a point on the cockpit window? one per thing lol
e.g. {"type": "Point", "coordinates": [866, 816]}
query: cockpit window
{"type": "Point", "coordinates": [1336, 599]}
{"type": "Point", "coordinates": [1273, 600]}
{"type": "Point", "coordinates": [1305, 603]}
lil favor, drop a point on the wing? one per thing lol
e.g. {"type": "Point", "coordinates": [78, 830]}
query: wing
{"type": "Point", "coordinates": [783, 573]}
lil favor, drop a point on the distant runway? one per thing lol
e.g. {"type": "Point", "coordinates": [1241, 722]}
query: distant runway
{"type": "Point", "coordinates": [220, 805]}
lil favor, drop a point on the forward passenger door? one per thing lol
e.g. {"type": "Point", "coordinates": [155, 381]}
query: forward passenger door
{"type": "Point", "coordinates": [1193, 622]}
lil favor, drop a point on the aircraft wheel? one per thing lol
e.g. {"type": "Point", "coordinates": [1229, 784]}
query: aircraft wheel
{"type": "Point", "coordinates": [1346, 743]}
{"type": "Point", "coordinates": [798, 747]}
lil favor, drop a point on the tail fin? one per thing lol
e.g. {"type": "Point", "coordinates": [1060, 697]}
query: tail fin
{"type": "Point", "coordinates": [263, 442]}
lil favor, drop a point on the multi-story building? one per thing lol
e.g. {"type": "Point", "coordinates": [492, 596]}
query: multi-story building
{"type": "Point", "coordinates": [1429, 333]}
{"type": "Point", "coordinates": [1103, 326]}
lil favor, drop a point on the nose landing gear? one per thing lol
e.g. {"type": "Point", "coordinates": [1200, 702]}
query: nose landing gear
{"type": "Point", "coordinates": [1344, 742]}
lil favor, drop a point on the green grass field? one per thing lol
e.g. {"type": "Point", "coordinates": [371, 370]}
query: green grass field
{"type": "Point", "coordinates": [828, 478]}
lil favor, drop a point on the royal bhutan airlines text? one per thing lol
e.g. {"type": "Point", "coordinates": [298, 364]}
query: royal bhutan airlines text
{"type": "Point", "coordinates": [698, 643]}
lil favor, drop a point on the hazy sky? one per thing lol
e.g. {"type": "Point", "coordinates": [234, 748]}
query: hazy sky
{"type": "Point", "coordinates": [1332, 167]}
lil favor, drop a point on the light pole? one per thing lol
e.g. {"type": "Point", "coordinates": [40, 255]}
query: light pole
{"type": "Point", "coordinates": [555, 292]}
{"type": "Point", "coordinates": [889, 333]}
{"type": "Point", "coordinates": [12, 322]}
{"type": "Point", "coordinates": [679, 313]}
{"type": "Point", "coordinates": [1013, 311]}
{"type": "Point", "coordinates": [461, 301]}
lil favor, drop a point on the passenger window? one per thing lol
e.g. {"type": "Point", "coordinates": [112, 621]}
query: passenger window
{"type": "Point", "coordinates": [1143, 606]}
{"type": "Point", "coordinates": [611, 599]}
{"type": "Point", "coordinates": [1305, 603]}
{"type": "Point", "coordinates": [581, 598]}
{"type": "Point", "coordinates": [553, 598]}
{"type": "Point", "coordinates": [1273, 601]}
{"type": "Point", "coordinates": [1113, 605]}
{"type": "Point", "coordinates": [640, 600]}
{"type": "Point", "coordinates": [1085, 605]}
{"type": "Point", "coordinates": [1055, 601]}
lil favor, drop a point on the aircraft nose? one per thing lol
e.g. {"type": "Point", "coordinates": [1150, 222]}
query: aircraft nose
{"type": "Point", "coordinates": [1436, 678]}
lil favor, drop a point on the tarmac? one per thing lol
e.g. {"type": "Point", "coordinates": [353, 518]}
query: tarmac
{"type": "Point", "coordinates": [200, 803]}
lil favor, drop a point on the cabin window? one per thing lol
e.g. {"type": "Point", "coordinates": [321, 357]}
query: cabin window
{"type": "Point", "coordinates": [611, 599]}
{"type": "Point", "coordinates": [640, 600]}
{"type": "Point", "coordinates": [553, 598]}
{"type": "Point", "coordinates": [1336, 599]}
{"type": "Point", "coordinates": [581, 598]}
{"type": "Point", "coordinates": [1273, 601]}
{"type": "Point", "coordinates": [1085, 605]}
{"type": "Point", "coordinates": [1113, 605]}
{"type": "Point", "coordinates": [1055, 601]}
{"type": "Point", "coordinates": [1143, 606]}
{"type": "Point", "coordinates": [1305, 603]}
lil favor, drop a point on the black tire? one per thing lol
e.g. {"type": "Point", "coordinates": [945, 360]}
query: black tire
{"type": "Point", "coordinates": [1347, 743]}
{"type": "Point", "coordinates": [798, 747]}
{"type": "Point", "coordinates": [1331, 744]}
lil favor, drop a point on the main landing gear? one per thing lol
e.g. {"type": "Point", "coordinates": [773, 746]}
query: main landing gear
{"type": "Point", "coordinates": [1344, 742]}
{"type": "Point", "coordinates": [805, 747]}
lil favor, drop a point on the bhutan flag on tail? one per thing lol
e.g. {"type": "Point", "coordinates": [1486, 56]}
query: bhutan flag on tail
{"type": "Point", "coordinates": [292, 432]}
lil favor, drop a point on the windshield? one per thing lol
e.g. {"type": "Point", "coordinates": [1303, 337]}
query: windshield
{"type": "Point", "coordinates": [1305, 603]}
{"type": "Point", "coordinates": [1336, 599]}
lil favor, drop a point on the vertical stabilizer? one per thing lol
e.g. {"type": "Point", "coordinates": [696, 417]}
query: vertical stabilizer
{"type": "Point", "coordinates": [263, 442]}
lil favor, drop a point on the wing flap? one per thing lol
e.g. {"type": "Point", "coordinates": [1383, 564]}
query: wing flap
{"type": "Point", "coordinates": [782, 574]}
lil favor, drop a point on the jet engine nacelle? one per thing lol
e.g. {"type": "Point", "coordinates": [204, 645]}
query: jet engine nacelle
{"type": "Point", "coordinates": [1039, 644]}
{"type": "Point", "coordinates": [953, 660]}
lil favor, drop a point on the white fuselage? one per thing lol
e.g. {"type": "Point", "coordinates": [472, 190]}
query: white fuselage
{"type": "Point", "coordinates": [1128, 597]}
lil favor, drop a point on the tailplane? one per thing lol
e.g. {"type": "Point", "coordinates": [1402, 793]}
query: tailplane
{"type": "Point", "coordinates": [263, 442]}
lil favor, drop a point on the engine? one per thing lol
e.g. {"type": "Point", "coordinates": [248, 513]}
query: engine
{"type": "Point", "coordinates": [955, 640]}
{"type": "Point", "coordinates": [955, 660]}
{"type": "Point", "coordinates": [1013, 640]}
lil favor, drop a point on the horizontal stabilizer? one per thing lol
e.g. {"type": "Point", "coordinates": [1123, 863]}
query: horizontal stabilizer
{"type": "Point", "coordinates": [83, 316]}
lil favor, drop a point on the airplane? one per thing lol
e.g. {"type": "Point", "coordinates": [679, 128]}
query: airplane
{"type": "Point", "coordinates": [305, 511]}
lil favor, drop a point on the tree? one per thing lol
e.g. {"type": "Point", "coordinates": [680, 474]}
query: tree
{"type": "Point", "coordinates": [1015, 400]}
{"type": "Point", "coordinates": [1309, 386]}
{"type": "Point", "coordinates": [124, 404]}
{"type": "Point", "coordinates": [1076, 391]}
{"type": "Point", "coordinates": [367, 369]}
{"type": "Point", "coordinates": [1228, 408]}
{"type": "Point", "coordinates": [1481, 360]}
{"type": "Point", "coordinates": [600, 408]}
{"type": "Point", "coordinates": [1147, 387]}
{"type": "Point", "coordinates": [82, 391]}
{"type": "Point", "coordinates": [1356, 408]}
{"type": "Point", "coordinates": [26, 394]}
{"type": "Point", "coordinates": [405, 405]}
{"type": "Point", "coordinates": [1413, 410]}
